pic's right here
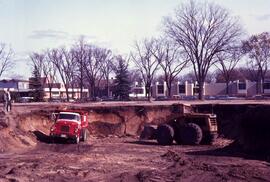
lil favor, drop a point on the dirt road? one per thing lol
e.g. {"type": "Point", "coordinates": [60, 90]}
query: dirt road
{"type": "Point", "coordinates": [127, 159]}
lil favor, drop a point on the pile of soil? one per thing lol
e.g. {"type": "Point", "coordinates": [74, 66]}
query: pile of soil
{"type": "Point", "coordinates": [18, 127]}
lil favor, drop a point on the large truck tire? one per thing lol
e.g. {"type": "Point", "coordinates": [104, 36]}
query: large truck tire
{"type": "Point", "coordinates": [165, 134]}
{"type": "Point", "coordinates": [177, 136]}
{"type": "Point", "coordinates": [209, 138]}
{"type": "Point", "coordinates": [191, 134]}
{"type": "Point", "coordinates": [52, 139]}
{"type": "Point", "coordinates": [84, 135]}
{"type": "Point", "coordinates": [148, 133]}
{"type": "Point", "coordinates": [77, 140]}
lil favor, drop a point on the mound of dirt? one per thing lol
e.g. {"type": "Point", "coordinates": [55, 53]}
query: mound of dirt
{"type": "Point", "coordinates": [104, 129]}
{"type": "Point", "coordinates": [17, 129]}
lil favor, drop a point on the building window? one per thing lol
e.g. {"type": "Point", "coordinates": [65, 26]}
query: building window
{"type": "Point", "coordinates": [182, 89]}
{"type": "Point", "coordinates": [138, 91]}
{"type": "Point", "coordinates": [55, 93]}
{"type": "Point", "coordinates": [242, 86]}
{"type": "Point", "coordinates": [196, 89]}
{"type": "Point", "coordinates": [160, 89]}
{"type": "Point", "coordinates": [266, 86]}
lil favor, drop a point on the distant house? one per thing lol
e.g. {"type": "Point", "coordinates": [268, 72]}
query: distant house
{"type": "Point", "coordinates": [23, 88]}
{"type": "Point", "coordinates": [137, 90]}
{"type": "Point", "coordinates": [14, 84]}
{"type": "Point", "coordinates": [18, 88]}
{"type": "Point", "coordinates": [240, 88]}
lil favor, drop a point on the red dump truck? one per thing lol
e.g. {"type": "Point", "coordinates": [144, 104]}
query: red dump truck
{"type": "Point", "coordinates": [69, 125]}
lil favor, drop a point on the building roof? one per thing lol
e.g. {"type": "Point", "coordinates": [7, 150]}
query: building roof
{"type": "Point", "coordinates": [13, 80]}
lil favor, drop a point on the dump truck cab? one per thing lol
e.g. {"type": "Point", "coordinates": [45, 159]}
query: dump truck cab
{"type": "Point", "coordinates": [70, 125]}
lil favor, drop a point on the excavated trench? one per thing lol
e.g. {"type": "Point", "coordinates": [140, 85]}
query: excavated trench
{"type": "Point", "coordinates": [248, 124]}
{"type": "Point", "coordinates": [26, 125]}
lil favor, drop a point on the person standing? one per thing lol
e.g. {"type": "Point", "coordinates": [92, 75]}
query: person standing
{"type": "Point", "coordinates": [7, 99]}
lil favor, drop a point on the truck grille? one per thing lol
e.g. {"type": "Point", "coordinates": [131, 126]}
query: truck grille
{"type": "Point", "coordinates": [213, 121]}
{"type": "Point", "coordinates": [65, 128]}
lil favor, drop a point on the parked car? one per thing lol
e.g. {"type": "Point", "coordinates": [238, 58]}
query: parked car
{"type": "Point", "coordinates": [105, 98]}
{"type": "Point", "coordinates": [190, 97]}
{"type": "Point", "coordinates": [209, 97]}
{"type": "Point", "coordinates": [161, 98]}
{"type": "Point", "coordinates": [55, 100]}
{"type": "Point", "coordinates": [260, 97]}
{"type": "Point", "coordinates": [25, 99]}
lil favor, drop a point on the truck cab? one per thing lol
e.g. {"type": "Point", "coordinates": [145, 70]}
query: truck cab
{"type": "Point", "coordinates": [70, 125]}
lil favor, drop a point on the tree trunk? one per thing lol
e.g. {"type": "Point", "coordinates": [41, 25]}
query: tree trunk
{"type": "Point", "coordinates": [257, 87]}
{"type": "Point", "coordinates": [81, 84]}
{"type": "Point", "coordinates": [107, 86]}
{"type": "Point", "coordinates": [72, 91]}
{"type": "Point", "coordinates": [201, 95]}
{"type": "Point", "coordinates": [227, 87]}
{"type": "Point", "coordinates": [50, 91]}
{"type": "Point", "coordinates": [66, 87]}
{"type": "Point", "coordinates": [169, 88]}
{"type": "Point", "coordinates": [92, 84]}
{"type": "Point", "coordinates": [89, 92]}
{"type": "Point", "coordinates": [147, 91]}
{"type": "Point", "coordinates": [262, 82]}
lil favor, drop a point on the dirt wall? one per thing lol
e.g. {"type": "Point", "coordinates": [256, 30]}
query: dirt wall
{"type": "Point", "coordinates": [126, 120]}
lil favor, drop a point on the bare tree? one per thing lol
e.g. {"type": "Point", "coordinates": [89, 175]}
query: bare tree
{"type": "Point", "coordinates": [107, 68]}
{"type": "Point", "coordinates": [79, 51]}
{"type": "Point", "coordinates": [5, 58]}
{"type": "Point", "coordinates": [38, 61]}
{"type": "Point", "coordinates": [202, 31]}
{"type": "Point", "coordinates": [146, 63]}
{"type": "Point", "coordinates": [135, 76]}
{"type": "Point", "coordinates": [46, 69]}
{"type": "Point", "coordinates": [189, 77]}
{"type": "Point", "coordinates": [168, 56]}
{"type": "Point", "coordinates": [93, 67]}
{"type": "Point", "coordinates": [66, 66]}
{"type": "Point", "coordinates": [226, 64]}
{"type": "Point", "coordinates": [257, 47]}
{"type": "Point", "coordinates": [49, 71]}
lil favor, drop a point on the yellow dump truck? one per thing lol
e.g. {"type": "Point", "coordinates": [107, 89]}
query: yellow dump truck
{"type": "Point", "coordinates": [184, 126]}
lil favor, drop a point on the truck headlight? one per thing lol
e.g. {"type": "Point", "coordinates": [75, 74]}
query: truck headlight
{"type": "Point", "coordinates": [53, 128]}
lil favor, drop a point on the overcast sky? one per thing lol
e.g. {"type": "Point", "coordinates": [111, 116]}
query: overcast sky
{"type": "Point", "coordinates": [34, 25]}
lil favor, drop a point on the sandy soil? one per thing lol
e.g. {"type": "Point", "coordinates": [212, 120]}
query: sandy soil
{"type": "Point", "coordinates": [127, 159]}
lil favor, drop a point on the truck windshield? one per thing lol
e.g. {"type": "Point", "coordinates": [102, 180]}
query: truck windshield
{"type": "Point", "coordinates": [69, 116]}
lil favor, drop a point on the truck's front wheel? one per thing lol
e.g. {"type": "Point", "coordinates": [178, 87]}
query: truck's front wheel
{"type": "Point", "coordinates": [84, 135]}
{"type": "Point", "coordinates": [209, 138]}
{"type": "Point", "coordinates": [148, 133]}
{"type": "Point", "coordinates": [191, 134]}
{"type": "Point", "coordinates": [165, 134]}
{"type": "Point", "coordinates": [77, 139]}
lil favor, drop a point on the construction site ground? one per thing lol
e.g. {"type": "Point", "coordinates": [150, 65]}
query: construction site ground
{"type": "Point", "coordinates": [126, 159]}
{"type": "Point", "coordinates": [27, 154]}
